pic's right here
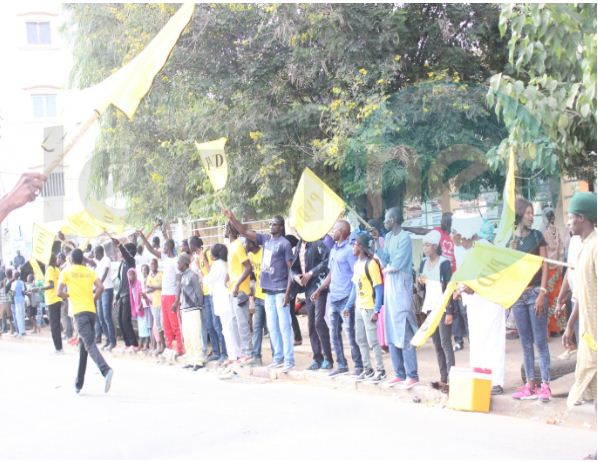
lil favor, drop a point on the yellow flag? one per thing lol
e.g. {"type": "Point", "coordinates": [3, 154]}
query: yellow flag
{"type": "Point", "coordinates": [506, 226]}
{"type": "Point", "coordinates": [315, 207]}
{"type": "Point", "coordinates": [82, 224]}
{"type": "Point", "coordinates": [105, 217]}
{"type": "Point", "coordinates": [128, 86]}
{"type": "Point", "coordinates": [214, 162]}
{"type": "Point", "coordinates": [37, 271]}
{"type": "Point", "coordinates": [43, 240]}
{"type": "Point", "coordinates": [495, 273]}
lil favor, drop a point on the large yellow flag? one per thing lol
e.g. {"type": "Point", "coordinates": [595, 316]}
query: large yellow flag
{"type": "Point", "coordinates": [214, 162]}
{"type": "Point", "coordinates": [315, 207]}
{"type": "Point", "coordinates": [128, 85]}
{"type": "Point", "coordinates": [497, 274]}
{"type": "Point", "coordinates": [83, 224]}
{"type": "Point", "coordinates": [507, 218]}
{"type": "Point", "coordinates": [42, 241]}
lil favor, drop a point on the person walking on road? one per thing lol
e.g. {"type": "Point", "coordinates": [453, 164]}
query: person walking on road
{"type": "Point", "coordinates": [81, 282]}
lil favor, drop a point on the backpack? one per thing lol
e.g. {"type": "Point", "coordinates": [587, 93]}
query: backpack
{"type": "Point", "coordinates": [369, 276]}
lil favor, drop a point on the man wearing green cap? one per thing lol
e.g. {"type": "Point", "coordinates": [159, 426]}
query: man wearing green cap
{"type": "Point", "coordinates": [582, 223]}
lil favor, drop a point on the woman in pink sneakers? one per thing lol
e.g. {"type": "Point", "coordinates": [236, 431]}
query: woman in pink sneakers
{"type": "Point", "coordinates": [530, 311]}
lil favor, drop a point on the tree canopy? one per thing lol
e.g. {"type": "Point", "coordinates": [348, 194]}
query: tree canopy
{"type": "Point", "coordinates": [293, 85]}
{"type": "Point", "coordinates": [547, 94]}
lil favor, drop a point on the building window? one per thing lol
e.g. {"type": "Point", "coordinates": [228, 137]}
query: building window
{"type": "Point", "coordinates": [54, 186]}
{"type": "Point", "coordinates": [44, 106]}
{"type": "Point", "coordinates": [38, 33]}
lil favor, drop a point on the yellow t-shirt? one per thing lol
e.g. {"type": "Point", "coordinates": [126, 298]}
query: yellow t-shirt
{"type": "Point", "coordinates": [365, 291]}
{"type": "Point", "coordinates": [52, 273]}
{"type": "Point", "coordinates": [79, 281]}
{"type": "Point", "coordinates": [256, 263]}
{"type": "Point", "coordinates": [236, 257]}
{"type": "Point", "coordinates": [205, 271]}
{"type": "Point", "coordinates": [156, 295]}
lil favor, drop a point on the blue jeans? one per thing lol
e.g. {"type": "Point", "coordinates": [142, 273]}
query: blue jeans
{"type": "Point", "coordinates": [278, 317]}
{"type": "Point", "coordinates": [207, 327]}
{"type": "Point", "coordinates": [104, 322]}
{"type": "Point", "coordinates": [532, 329]}
{"type": "Point", "coordinates": [404, 361]}
{"type": "Point", "coordinates": [337, 324]}
{"type": "Point", "coordinates": [20, 317]}
{"type": "Point", "coordinates": [218, 329]}
{"type": "Point", "coordinates": [39, 315]}
{"type": "Point", "coordinates": [259, 319]}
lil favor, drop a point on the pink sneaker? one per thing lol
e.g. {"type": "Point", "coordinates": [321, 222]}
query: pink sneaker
{"type": "Point", "coordinates": [409, 384]}
{"type": "Point", "coordinates": [545, 393]}
{"type": "Point", "coordinates": [394, 382]}
{"type": "Point", "coordinates": [525, 392]}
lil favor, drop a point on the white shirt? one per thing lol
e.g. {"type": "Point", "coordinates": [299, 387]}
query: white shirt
{"type": "Point", "coordinates": [216, 279]}
{"type": "Point", "coordinates": [575, 244]}
{"type": "Point", "coordinates": [169, 271]}
{"type": "Point", "coordinates": [101, 266]}
{"type": "Point", "coordinates": [433, 285]}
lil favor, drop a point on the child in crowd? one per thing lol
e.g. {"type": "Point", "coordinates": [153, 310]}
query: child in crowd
{"type": "Point", "coordinates": [137, 310]}
{"type": "Point", "coordinates": [146, 304]}
{"type": "Point", "coordinates": [154, 289]}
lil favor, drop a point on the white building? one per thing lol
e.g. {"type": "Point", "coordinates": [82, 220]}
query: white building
{"type": "Point", "coordinates": [33, 96]}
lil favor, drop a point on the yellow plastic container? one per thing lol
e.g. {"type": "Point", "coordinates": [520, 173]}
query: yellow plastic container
{"type": "Point", "coordinates": [470, 389]}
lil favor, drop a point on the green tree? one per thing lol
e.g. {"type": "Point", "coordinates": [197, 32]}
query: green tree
{"type": "Point", "coordinates": [547, 94]}
{"type": "Point", "coordinates": [289, 85]}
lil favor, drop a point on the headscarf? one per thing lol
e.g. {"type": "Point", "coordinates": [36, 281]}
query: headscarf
{"type": "Point", "coordinates": [433, 237]}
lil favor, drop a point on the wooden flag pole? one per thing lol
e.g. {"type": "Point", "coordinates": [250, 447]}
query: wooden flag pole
{"type": "Point", "coordinates": [558, 263]}
{"type": "Point", "coordinates": [361, 220]}
{"type": "Point", "coordinates": [72, 141]}
{"type": "Point", "coordinates": [219, 199]}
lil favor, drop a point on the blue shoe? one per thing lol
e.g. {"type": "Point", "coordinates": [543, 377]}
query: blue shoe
{"type": "Point", "coordinates": [314, 366]}
{"type": "Point", "coordinates": [213, 357]}
{"type": "Point", "coordinates": [326, 364]}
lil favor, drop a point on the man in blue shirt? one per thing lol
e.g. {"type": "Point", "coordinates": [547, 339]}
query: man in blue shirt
{"type": "Point", "coordinates": [275, 282]}
{"type": "Point", "coordinates": [338, 281]}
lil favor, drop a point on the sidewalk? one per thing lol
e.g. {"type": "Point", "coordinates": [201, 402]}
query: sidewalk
{"type": "Point", "coordinates": [554, 412]}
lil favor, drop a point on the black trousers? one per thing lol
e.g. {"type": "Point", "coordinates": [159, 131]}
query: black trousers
{"type": "Point", "coordinates": [125, 322]}
{"type": "Point", "coordinates": [319, 334]}
{"type": "Point", "coordinates": [85, 323]}
{"type": "Point", "coordinates": [294, 321]}
{"type": "Point", "coordinates": [54, 315]}
{"type": "Point", "coordinates": [444, 349]}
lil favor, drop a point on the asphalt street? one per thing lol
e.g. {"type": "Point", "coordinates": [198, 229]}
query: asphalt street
{"type": "Point", "coordinates": [164, 412]}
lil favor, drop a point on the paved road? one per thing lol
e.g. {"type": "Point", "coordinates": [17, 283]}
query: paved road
{"type": "Point", "coordinates": [164, 412]}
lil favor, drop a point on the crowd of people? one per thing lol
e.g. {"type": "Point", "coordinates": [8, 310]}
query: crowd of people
{"type": "Point", "coordinates": [360, 286]}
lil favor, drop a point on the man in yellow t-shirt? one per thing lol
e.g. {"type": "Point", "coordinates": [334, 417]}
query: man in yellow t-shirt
{"type": "Point", "coordinates": [53, 301]}
{"type": "Point", "coordinates": [366, 293]}
{"type": "Point", "coordinates": [80, 282]}
{"type": "Point", "coordinates": [200, 265]}
{"type": "Point", "coordinates": [254, 252]}
{"type": "Point", "coordinates": [239, 270]}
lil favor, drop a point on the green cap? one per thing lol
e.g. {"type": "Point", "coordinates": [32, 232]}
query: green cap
{"type": "Point", "coordinates": [584, 203]}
